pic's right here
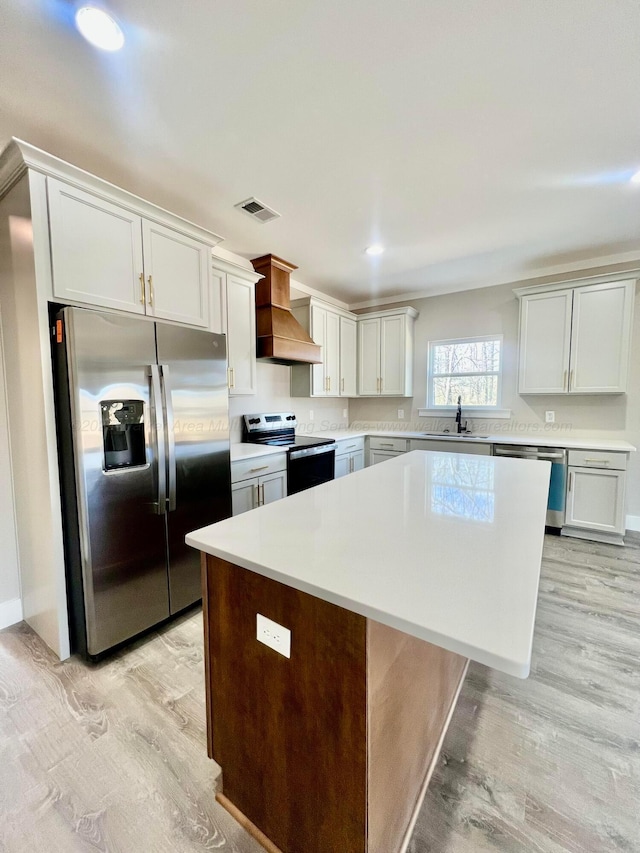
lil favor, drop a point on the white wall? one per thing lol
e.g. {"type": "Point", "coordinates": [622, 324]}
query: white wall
{"type": "Point", "coordinates": [494, 310]}
{"type": "Point", "coordinates": [10, 601]}
{"type": "Point", "coordinates": [273, 396]}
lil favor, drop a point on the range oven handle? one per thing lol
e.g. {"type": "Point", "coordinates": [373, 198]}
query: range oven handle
{"type": "Point", "coordinates": [312, 451]}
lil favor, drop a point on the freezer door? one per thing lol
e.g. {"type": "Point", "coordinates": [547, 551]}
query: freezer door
{"type": "Point", "coordinates": [112, 374]}
{"type": "Point", "coordinates": [193, 366]}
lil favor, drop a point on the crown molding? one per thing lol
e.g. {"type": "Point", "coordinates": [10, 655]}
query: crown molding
{"type": "Point", "coordinates": [19, 157]}
{"type": "Point", "coordinates": [232, 268]}
{"type": "Point", "coordinates": [548, 275]}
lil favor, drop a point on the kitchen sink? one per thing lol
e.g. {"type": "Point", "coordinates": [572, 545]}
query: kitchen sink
{"type": "Point", "coordinates": [454, 435]}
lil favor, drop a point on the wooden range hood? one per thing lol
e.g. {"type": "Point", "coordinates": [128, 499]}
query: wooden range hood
{"type": "Point", "coordinates": [280, 338]}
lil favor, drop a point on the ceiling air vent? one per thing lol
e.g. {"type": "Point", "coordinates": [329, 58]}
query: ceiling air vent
{"type": "Point", "coordinates": [257, 210]}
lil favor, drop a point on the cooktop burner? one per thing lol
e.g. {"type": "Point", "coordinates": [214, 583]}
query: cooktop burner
{"type": "Point", "coordinates": [278, 430]}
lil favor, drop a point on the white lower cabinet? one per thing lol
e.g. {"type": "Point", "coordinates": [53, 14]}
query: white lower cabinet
{"type": "Point", "coordinates": [349, 456]}
{"type": "Point", "coordinates": [462, 445]}
{"type": "Point", "coordinates": [382, 448]}
{"type": "Point", "coordinates": [256, 482]}
{"type": "Point", "coordinates": [595, 507]}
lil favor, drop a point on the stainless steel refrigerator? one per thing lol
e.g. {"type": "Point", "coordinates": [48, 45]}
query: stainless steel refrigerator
{"type": "Point", "coordinates": [143, 440]}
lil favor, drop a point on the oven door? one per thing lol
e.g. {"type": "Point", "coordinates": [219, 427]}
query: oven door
{"type": "Point", "coordinates": [309, 467]}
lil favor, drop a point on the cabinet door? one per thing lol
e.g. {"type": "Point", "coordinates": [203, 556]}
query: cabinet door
{"type": "Point", "coordinates": [601, 337]}
{"type": "Point", "coordinates": [545, 337]}
{"type": "Point", "coordinates": [244, 496]}
{"type": "Point", "coordinates": [369, 357]}
{"type": "Point", "coordinates": [177, 270]}
{"type": "Point", "coordinates": [273, 487]}
{"type": "Point", "coordinates": [595, 499]}
{"type": "Point", "coordinates": [218, 302]}
{"type": "Point", "coordinates": [376, 456]}
{"type": "Point", "coordinates": [348, 356]}
{"type": "Point", "coordinates": [241, 336]}
{"type": "Point", "coordinates": [96, 250]}
{"type": "Point", "coordinates": [357, 460]}
{"type": "Point", "coordinates": [331, 354]}
{"type": "Point", "coordinates": [318, 332]}
{"type": "Point", "coordinates": [343, 465]}
{"type": "Point", "coordinates": [393, 357]}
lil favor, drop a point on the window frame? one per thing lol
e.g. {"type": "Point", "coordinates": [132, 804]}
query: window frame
{"type": "Point", "coordinates": [469, 408]}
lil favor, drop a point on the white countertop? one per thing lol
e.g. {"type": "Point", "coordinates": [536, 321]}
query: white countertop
{"type": "Point", "coordinates": [444, 546]}
{"type": "Point", "coordinates": [545, 439]}
{"type": "Point", "coordinates": [539, 439]}
{"type": "Point", "coordinates": [250, 451]}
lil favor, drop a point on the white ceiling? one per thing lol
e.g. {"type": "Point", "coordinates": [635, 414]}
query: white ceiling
{"type": "Point", "coordinates": [481, 141]}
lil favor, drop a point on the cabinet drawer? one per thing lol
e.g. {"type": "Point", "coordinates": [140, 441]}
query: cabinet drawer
{"type": "Point", "coordinates": [259, 466]}
{"type": "Point", "coordinates": [348, 445]}
{"type": "Point", "coordinates": [399, 444]}
{"type": "Point", "coordinates": [598, 459]}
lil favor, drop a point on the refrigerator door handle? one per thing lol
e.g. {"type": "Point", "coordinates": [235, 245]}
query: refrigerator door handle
{"type": "Point", "coordinates": [158, 429]}
{"type": "Point", "coordinates": [167, 405]}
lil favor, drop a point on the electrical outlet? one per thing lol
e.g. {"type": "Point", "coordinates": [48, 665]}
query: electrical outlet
{"type": "Point", "coordinates": [273, 635]}
{"type": "Point", "coordinates": [550, 417]}
{"type": "Point", "coordinates": [400, 414]}
{"type": "Point", "coordinates": [310, 414]}
{"type": "Point", "coordinates": [345, 413]}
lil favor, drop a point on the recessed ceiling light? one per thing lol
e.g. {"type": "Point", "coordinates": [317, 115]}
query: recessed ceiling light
{"type": "Point", "coordinates": [99, 28]}
{"type": "Point", "coordinates": [376, 249]}
{"type": "Point", "coordinates": [635, 179]}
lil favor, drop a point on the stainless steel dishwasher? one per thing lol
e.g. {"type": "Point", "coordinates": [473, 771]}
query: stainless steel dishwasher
{"type": "Point", "coordinates": [557, 486]}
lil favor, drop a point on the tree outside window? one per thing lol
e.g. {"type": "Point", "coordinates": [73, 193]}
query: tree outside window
{"type": "Point", "coordinates": [469, 368]}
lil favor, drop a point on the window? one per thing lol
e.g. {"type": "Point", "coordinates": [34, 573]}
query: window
{"type": "Point", "coordinates": [470, 368]}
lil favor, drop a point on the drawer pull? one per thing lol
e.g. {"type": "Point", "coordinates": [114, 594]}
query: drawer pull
{"type": "Point", "coordinates": [388, 444]}
{"type": "Point", "coordinates": [351, 445]}
{"type": "Point", "coordinates": [597, 461]}
{"type": "Point", "coordinates": [261, 468]}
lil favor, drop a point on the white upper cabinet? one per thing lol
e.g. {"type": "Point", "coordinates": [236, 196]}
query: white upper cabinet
{"type": "Point", "coordinates": [348, 356]}
{"type": "Point", "coordinates": [114, 250]}
{"type": "Point", "coordinates": [177, 272]}
{"type": "Point", "coordinates": [333, 329]}
{"type": "Point", "coordinates": [241, 333]}
{"type": "Point", "coordinates": [545, 337]}
{"type": "Point", "coordinates": [368, 357]}
{"type": "Point", "coordinates": [96, 250]}
{"type": "Point", "coordinates": [601, 338]}
{"type": "Point", "coordinates": [575, 340]}
{"type": "Point", "coordinates": [385, 353]}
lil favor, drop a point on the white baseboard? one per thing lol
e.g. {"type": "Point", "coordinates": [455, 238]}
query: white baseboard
{"type": "Point", "coordinates": [633, 522]}
{"type": "Point", "coordinates": [10, 612]}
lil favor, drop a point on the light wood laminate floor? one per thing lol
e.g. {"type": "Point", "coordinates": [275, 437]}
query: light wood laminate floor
{"type": "Point", "coordinates": [113, 757]}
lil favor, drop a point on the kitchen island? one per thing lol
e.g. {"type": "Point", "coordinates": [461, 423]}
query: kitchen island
{"type": "Point", "coordinates": [389, 581]}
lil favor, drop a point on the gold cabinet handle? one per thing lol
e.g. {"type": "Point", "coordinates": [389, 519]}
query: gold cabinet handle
{"type": "Point", "coordinates": [150, 280]}
{"type": "Point", "coordinates": [256, 499]}
{"type": "Point", "coordinates": [261, 468]}
{"type": "Point", "coordinates": [141, 279]}
{"type": "Point", "coordinates": [231, 377]}
{"type": "Point", "coordinates": [570, 480]}
{"type": "Point", "coordinates": [262, 487]}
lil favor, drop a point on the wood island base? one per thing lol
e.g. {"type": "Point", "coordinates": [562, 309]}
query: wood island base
{"type": "Point", "coordinates": [331, 749]}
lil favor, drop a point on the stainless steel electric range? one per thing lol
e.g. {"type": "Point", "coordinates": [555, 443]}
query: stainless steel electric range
{"type": "Point", "coordinates": [310, 461]}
